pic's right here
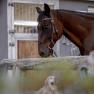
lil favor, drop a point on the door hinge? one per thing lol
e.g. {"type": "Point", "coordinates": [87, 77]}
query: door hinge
{"type": "Point", "coordinates": [11, 4]}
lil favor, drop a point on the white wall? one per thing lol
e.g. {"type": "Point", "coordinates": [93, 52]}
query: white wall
{"type": "Point", "coordinates": [75, 5]}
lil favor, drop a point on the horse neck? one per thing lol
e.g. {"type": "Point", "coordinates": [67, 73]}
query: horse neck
{"type": "Point", "coordinates": [76, 26]}
{"type": "Point", "coordinates": [58, 25]}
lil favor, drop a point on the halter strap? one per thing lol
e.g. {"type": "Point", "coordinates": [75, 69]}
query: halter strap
{"type": "Point", "coordinates": [52, 40]}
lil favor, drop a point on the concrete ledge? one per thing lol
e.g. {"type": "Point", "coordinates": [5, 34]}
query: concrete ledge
{"type": "Point", "coordinates": [31, 62]}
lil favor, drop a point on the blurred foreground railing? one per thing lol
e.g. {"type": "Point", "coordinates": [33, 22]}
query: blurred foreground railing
{"type": "Point", "coordinates": [30, 62]}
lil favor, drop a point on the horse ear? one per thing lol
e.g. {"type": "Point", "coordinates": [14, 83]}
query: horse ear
{"type": "Point", "coordinates": [38, 9]}
{"type": "Point", "coordinates": [46, 8]}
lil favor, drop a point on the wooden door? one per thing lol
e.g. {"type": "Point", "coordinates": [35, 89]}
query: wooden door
{"type": "Point", "coordinates": [27, 49]}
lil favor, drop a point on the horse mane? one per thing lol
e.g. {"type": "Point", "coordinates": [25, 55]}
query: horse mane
{"type": "Point", "coordinates": [82, 14]}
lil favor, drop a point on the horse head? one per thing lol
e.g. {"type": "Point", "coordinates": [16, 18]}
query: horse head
{"type": "Point", "coordinates": [47, 33]}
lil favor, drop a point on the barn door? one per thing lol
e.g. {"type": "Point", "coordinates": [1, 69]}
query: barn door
{"type": "Point", "coordinates": [27, 49]}
{"type": "Point", "coordinates": [25, 25]}
{"type": "Point", "coordinates": [24, 38]}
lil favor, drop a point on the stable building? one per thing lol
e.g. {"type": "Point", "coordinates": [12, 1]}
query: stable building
{"type": "Point", "coordinates": [18, 27]}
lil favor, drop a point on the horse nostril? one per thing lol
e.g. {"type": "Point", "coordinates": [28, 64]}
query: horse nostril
{"type": "Point", "coordinates": [52, 83]}
{"type": "Point", "coordinates": [42, 53]}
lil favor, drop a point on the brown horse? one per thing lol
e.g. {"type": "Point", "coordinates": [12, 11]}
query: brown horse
{"type": "Point", "coordinates": [78, 27]}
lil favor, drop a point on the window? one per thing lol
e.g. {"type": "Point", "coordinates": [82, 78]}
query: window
{"type": "Point", "coordinates": [25, 17]}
